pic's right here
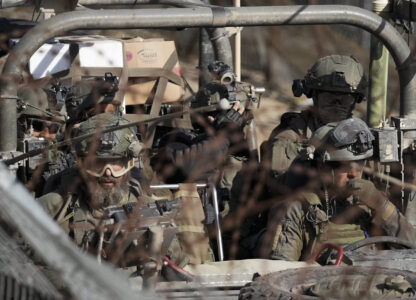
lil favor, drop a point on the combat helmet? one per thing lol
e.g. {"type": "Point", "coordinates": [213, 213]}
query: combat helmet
{"type": "Point", "coordinates": [334, 73]}
{"type": "Point", "coordinates": [347, 140]}
{"type": "Point", "coordinates": [33, 102]}
{"type": "Point", "coordinates": [36, 112]}
{"type": "Point", "coordinates": [121, 145]}
{"type": "Point", "coordinates": [86, 94]}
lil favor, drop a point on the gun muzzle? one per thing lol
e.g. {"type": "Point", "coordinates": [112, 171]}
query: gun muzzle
{"type": "Point", "coordinates": [227, 78]}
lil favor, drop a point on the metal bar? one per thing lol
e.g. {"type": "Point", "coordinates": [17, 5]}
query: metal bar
{"type": "Point", "coordinates": [217, 222]}
{"type": "Point", "coordinates": [173, 186]}
{"type": "Point", "coordinates": [237, 48]}
{"type": "Point", "coordinates": [13, 3]}
{"type": "Point", "coordinates": [206, 55]}
{"type": "Point", "coordinates": [378, 73]}
{"type": "Point", "coordinates": [116, 2]}
{"type": "Point", "coordinates": [201, 17]}
{"type": "Point", "coordinates": [177, 3]}
{"type": "Point", "coordinates": [216, 210]}
{"type": "Point", "coordinates": [85, 278]}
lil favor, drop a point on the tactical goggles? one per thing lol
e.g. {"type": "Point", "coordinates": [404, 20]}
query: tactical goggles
{"type": "Point", "coordinates": [117, 167]}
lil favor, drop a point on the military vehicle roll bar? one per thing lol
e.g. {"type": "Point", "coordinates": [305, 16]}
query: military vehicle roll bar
{"type": "Point", "coordinates": [197, 17]}
{"type": "Point", "coordinates": [214, 195]}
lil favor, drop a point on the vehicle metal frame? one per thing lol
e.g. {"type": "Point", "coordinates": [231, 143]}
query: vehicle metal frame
{"type": "Point", "coordinates": [191, 18]}
{"type": "Point", "coordinates": [27, 216]}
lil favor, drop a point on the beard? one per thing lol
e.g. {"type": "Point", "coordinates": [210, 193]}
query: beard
{"type": "Point", "coordinates": [102, 196]}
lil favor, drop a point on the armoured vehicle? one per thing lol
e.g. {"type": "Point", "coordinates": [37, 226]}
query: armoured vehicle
{"type": "Point", "coordinates": [87, 279]}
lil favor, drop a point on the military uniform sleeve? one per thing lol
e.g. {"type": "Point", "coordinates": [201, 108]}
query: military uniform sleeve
{"type": "Point", "coordinates": [288, 240]}
{"type": "Point", "coordinates": [395, 224]}
{"type": "Point", "coordinates": [282, 146]}
{"type": "Point", "coordinates": [193, 162]}
{"type": "Point", "coordinates": [52, 203]}
{"type": "Point", "coordinates": [284, 149]}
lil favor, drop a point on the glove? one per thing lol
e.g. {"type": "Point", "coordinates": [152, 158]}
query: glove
{"type": "Point", "coordinates": [367, 193]}
{"type": "Point", "coordinates": [225, 119]}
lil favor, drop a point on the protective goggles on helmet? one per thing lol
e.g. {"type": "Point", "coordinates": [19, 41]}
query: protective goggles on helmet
{"type": "Point", "coordinates": [117, 167]}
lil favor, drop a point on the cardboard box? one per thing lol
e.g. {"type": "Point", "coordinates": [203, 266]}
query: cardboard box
{"type": "Point", "coordinates": [49, 59]}
{"type": "Point", "coordinates": [99, 52]}
{"type": "Point", "coordinates": [150, 54]}
{"type": "Point", "coordinates": [94, 52]}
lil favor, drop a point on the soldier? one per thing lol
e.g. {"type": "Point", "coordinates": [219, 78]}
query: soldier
{"type": "Point", "coordinates": [335, 83]}
{"type": "Point", "coordinates": [38, 123]}
{"type": "Point", "coordinates": [102, 180]}
{"type": "Point", "coordinates": [340, 207]}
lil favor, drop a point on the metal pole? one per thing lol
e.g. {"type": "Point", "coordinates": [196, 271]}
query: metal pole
{"type": "Point", "coordinates": [217, 221]}
{"type": "Point", "coordinates": [237, 49]}
{"type": "Point", "coordinates": [378, 75]}
{"type": "Point", "coordinates": [206, 55]}
{"type": "Point", "coordinates": [200, 17]}
{"type": "Point", "coordinates": [173, 186]}
{"type": "Point", "coordinates": [216, 210]}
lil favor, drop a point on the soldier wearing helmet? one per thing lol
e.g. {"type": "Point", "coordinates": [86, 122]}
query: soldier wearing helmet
{"type": "Point", "coordinates": [335, 83]}
{"type": "Point", "coordinates": [35, 114]}
{"type": "Point", "coordinates": [102, 175]}
{"type": "Point", "coordinates": [84, 196]}
{"type": "Point", "coordinates": [337, 205]}
{"type": "Point", "coordinates": [38, 123]}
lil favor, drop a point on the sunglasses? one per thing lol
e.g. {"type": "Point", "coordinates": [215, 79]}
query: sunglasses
{"type": "Point", "coordinates": [117, 167]}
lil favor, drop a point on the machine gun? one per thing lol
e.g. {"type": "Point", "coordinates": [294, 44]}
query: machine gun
{"type": "Point", "coordinates": [138, 234]}
{"type": "Point", "coordinates": [224, 91]}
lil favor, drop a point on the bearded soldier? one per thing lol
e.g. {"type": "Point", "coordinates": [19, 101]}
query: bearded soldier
{"type": "Point", "coordinates": [337, 205]}
{"type": "Point", "coordinates": [335, 83]}
{"type": "Point", "coordinates": [84, 196]}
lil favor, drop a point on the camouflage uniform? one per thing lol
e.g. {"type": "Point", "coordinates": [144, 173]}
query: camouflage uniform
{"type": "Point", "coordinates": [308, 222]}
{"type": "Point", "coordinates": [69, 206]}
{"type": "Point", "coordinates": [332, 74]}
{"type": "Point", "coordinates": [70, 202]}
{"type": "Point", "coordinates": [306, 225]}
{"type": "Point", "coordinates": [285, 140]}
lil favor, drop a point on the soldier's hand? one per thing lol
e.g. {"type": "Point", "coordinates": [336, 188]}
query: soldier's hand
{"type": "Point", "coordinates": [232, 117]}
{"type": "Point", "coordinates": [366, 192]}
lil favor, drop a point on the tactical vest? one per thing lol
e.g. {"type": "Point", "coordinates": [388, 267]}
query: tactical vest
{"type": "Point", "coordinates": [80, 221]}
{"type": "Point", "coordinates": [319, 230]}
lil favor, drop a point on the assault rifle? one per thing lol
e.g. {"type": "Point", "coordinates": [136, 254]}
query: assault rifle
{"type": "Point", "coordinates": [135, 120]}
{"type": "Point", "coordinates": [138, 234]}
{"type": "Point", "coordinates": [224, 91]}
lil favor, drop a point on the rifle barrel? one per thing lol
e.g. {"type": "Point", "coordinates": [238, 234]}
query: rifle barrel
{"type": "Point", "coordinates": [66, 142]}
